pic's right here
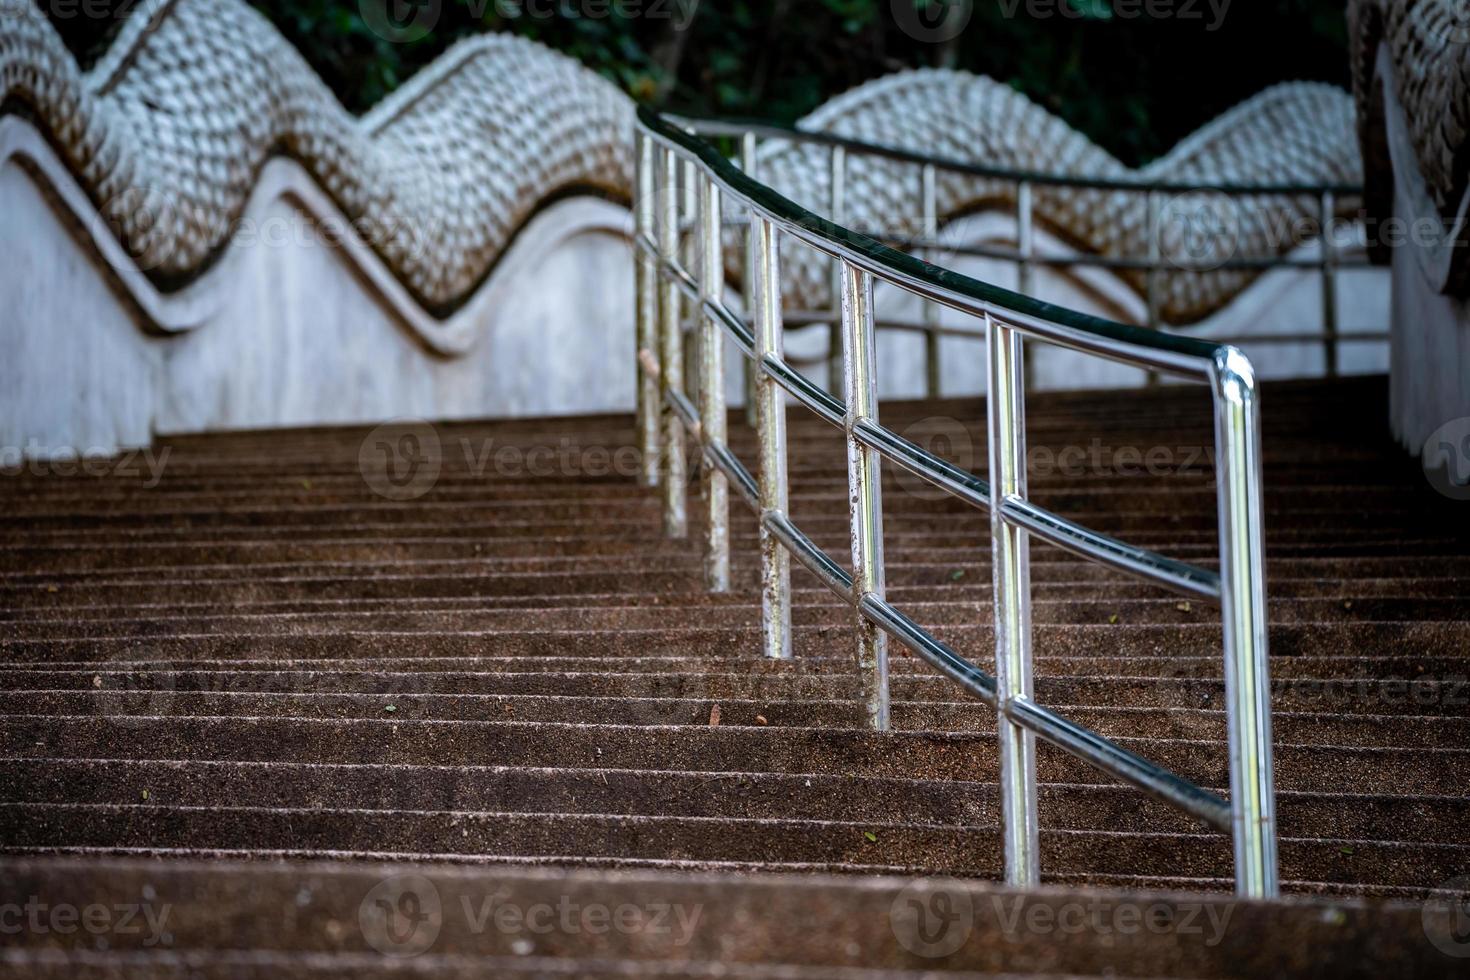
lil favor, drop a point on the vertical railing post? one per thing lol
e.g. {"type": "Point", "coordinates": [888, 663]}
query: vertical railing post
{"type": "Point", "coordinates": [712, 421]}
{"type": "Point", "coordinates": [1153, 222]}
{"type": "Point", "coordinates": [1025, 248]}
{"type": "Point", "coordinates": [929, 195]}
{"type": "Point", "coordinates": [689, 247]}
{"type": "Point", "coordinates": [646, 219]}
{"type": "Point", "coordinates": [864, 491]}
{"type": "Point", "coordinates": [1329, 284]}
{"type": "Point", "coordinates": [838, 216]}
{"type": "Point", "coordinates": [1025, 243]}
{"type": "Point", "coordinates": [771, 430]}
{"type": "Point", "coordinates": [671, 354]}
{"type": "Point", "coordinates": [749, 163]}
{"type": "Point", "coordinates": [1244, 614]}
{"type": "Point", "coordinates": [1010, 560]}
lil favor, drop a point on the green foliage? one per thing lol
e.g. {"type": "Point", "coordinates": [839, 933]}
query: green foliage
{"type": "Point", "coordinates": [1135, 83]}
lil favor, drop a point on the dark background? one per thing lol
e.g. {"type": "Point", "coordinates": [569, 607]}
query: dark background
{"type": "Point", "coordinates": [1134, 85]}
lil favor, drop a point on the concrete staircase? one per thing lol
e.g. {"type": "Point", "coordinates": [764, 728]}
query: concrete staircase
{"type": "Point", "coordinates": [263, 658]}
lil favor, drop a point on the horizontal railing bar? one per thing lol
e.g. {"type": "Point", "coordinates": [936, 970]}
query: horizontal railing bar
{"type": "Point", "coordinates": [1087, 745]}
{"type": "Point", "coordinates": [804, 390]}
{"type": "Point", "coordinates": [938, 655]}
{"type": "Point", "coordinates": [1112, 261]}
{"type": "Point", "coordinates": [1120, 763]}
{"type": "Point", "coordinates": [1166, 353]}
{"type": "Point", "coordinates": [800, 319]}
{"type": "Point", "coordinates": [735, 127]}
{"type": "Point", "coordinates": [1366, 337]}
{"type": "Point", "coordinates": [816, 561]}
{"type": "Point", "coordinates": [1150, 566]}
{"type": "Point", "coordinates": [1177, 575]}
{"type": "Point", "coordinates": [797, 319]}
{"type": "Point", "coordinates": [742, 479]}
{"type": "Point", "coordinates": [1047, 327]}
{"type": "Point", "coordinates": [685, 409]}
{"type": "Point", "coordinates": [1220, 365]}
{"type": "Point", "coordinates": [943, 474]}
{"type": "Point", "coordinates": [734, 324]}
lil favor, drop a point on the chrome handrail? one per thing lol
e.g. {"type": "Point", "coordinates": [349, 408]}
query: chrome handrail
{"type": "Point", "coordinates": [667, 154]}
{"type": "Point", "coordinates": [706, 127]}
{"type": "Point", "coordinates": [1329, 261]}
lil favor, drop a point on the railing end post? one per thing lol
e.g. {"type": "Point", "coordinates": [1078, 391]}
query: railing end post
{"type": "Point", "coordinates": [1244, 615]}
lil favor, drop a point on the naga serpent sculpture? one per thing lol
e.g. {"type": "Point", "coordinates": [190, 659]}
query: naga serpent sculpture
{"type": "Point", "coordinates": [168, 132]}
{"type": "Point", "coordinates": [1428, 47]}
{"type": "Point", "coordinates": [1291, 133]}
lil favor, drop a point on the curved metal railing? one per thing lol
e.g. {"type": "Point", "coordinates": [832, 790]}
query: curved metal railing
{"type": "Point", "coordinates": [680, 176]}
{"type": "Point", "coordinates": [1154, 266]}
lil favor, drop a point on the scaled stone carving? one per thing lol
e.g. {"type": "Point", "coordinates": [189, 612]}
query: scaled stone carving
{"type": "Point", "coordinates": [1295, 133]}
{"type": "Point", "coordinates": [1423, 46]}
{"type": "Point", "coordinates": [169, 131]}
{"type": "Point", "coordinates": [1411, 75]}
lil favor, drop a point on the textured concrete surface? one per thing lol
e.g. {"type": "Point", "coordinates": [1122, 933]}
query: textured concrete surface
{"type": "Point", "coordinates": [259, 656]}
